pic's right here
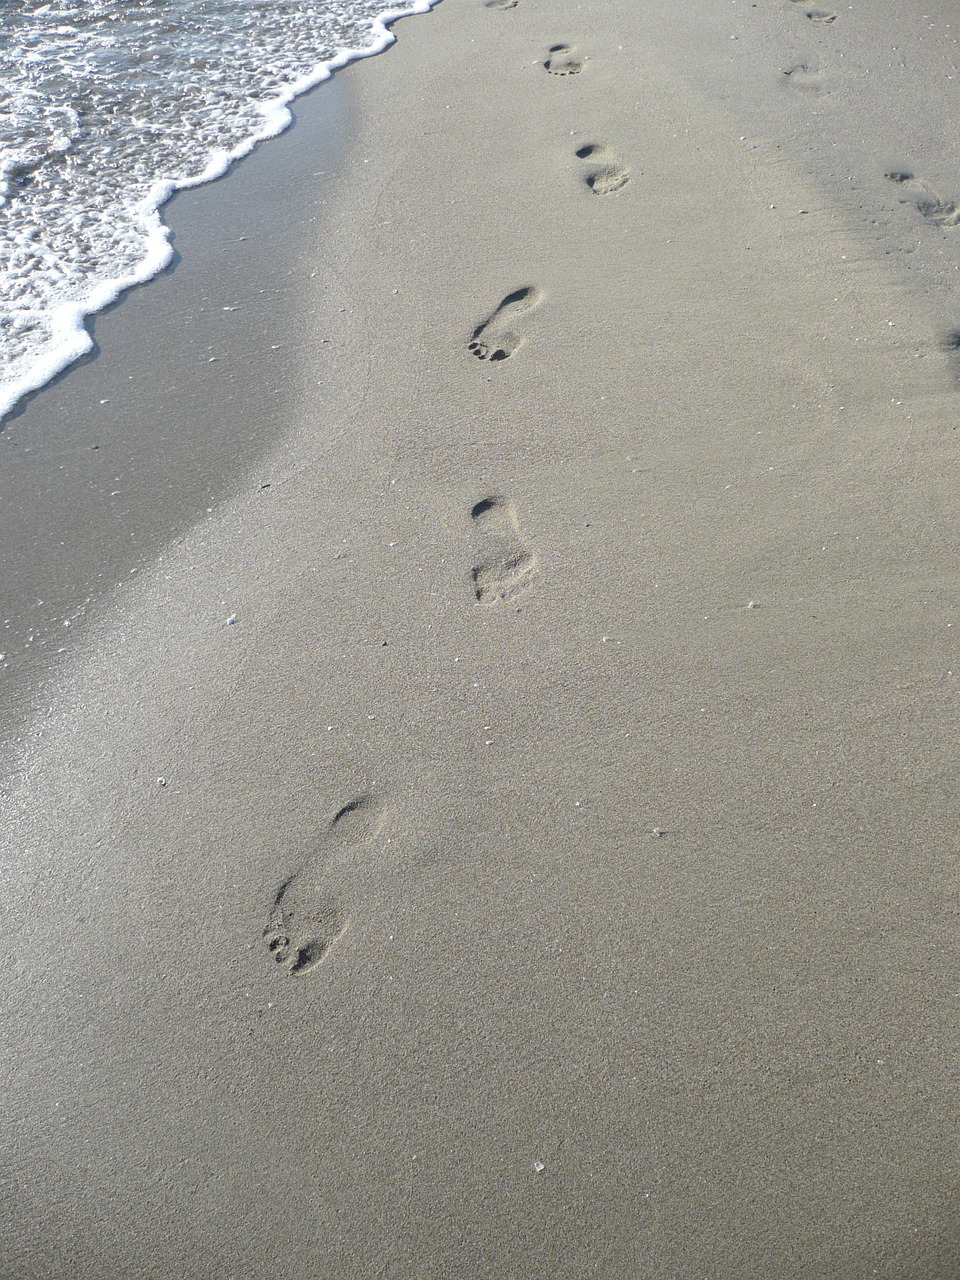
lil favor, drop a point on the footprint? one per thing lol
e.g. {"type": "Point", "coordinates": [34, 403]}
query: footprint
{"type": "Point", "coordinates": [823, 16]}
{"type": "Point", "coordinates": [950, 346]}
{"type": "Point", "coordinates": [807, 77]}
{"type": "Point", "coordinates": [943, 213]}
{"type": "Point", "coordinates": [499, 4]}
{"type": "Point", "coordinates": [561, 60]}
{"type": "Point", "coordinates": [307, 919]}
{"type": "Point", "coordinates": [494, 339]}
{"type": "Point", "coordinates": [606, 173]}
{"type": "Point", "coordinates": [505, 566]}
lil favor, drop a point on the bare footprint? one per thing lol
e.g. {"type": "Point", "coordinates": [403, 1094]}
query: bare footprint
{"type": "Point", "coordinates": [499, 4]}
{"type": "Point", "coordinates": [943, 213]}
{"type": "Point", "coordinates": [822, 16]}
{"type": "Point", "coordinates": [561, 60]}
{"type": "Point", "coordinates": [606, 174]}
{"type": "Point", "coordinates": [806, 77]}
{"type": "Point", "coordinates": [505, 566]}
{"type": "Point", "coordinates": [307, 919]}
{"type": "Point", "coordinates": [495, 338]}
{"type": "Point", "coordinates": [950, 346]}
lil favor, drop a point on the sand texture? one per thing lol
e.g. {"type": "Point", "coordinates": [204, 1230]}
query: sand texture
{"type": "Point", "coordinates": [506, 826]}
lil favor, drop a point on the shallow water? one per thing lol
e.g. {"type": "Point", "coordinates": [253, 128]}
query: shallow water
{"type": "Point", "coordinates": [106, 108]}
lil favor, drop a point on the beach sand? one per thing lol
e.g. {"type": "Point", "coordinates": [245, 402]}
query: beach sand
{"type": "Point", "coordinates": [506, 825]}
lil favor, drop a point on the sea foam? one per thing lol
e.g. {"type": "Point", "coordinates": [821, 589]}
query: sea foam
{"type": "Point", "coordinates": [113, 108]}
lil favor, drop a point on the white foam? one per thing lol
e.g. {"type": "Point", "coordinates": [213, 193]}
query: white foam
{"type": "Point", "coordinates": [65, 322]}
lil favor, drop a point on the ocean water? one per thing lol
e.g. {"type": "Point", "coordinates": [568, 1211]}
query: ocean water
{"type": "Point", "coordinates": [109, 106]}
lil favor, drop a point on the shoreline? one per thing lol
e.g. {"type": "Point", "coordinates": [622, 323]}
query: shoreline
{"type": "Point", "coordinates": [167, 360]}
{"type": "Point", "coordinates": [75, 320]}
{"type": "Point", "coordinates": [520, 840]}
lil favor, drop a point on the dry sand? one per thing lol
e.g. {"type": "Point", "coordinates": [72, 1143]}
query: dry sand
{"type": "Point", "coordinates": [578, 727]}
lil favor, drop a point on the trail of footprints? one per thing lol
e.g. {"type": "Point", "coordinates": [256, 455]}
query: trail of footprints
{"type": "Point", "coordinates": [935, 208]}
{"type": "Point", "coordinates": [501, 334]}
{"type": "Point", "coordinates": [309, 916]}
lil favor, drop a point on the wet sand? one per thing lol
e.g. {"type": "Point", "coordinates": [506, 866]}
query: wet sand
{"type": "Point", "coordinates": [512, 832]}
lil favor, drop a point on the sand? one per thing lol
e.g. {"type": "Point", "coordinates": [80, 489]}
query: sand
{"type": "Point", "coordinates": [494, 810]}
